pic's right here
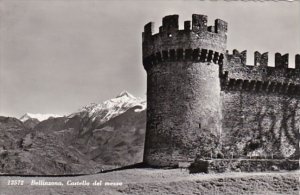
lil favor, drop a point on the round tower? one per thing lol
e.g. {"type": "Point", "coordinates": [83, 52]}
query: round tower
{"type": "Point", "coordinates": [183, 89]}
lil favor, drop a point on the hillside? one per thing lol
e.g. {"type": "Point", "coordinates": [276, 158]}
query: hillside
{"type": "Point", "coordinates": [98, 136]}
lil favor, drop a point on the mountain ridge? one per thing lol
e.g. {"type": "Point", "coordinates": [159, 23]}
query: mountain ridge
{"type": "Point", "coordinates": [97, 136]}
{"type": "Point", "coordinates": [38, 116]}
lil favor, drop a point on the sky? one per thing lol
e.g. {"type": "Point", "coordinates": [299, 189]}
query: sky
{"type": "Point", "coordinates": [57, 56]}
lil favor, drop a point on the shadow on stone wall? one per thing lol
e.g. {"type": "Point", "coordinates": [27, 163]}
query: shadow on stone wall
{"type": "Point", "coordinates": [268, 130]}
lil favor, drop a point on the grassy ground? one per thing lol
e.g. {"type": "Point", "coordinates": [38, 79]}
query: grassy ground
{"type": "Point", "coordinates": [159, 181]}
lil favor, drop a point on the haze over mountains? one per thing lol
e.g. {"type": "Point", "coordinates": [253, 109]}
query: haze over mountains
{"type": "Point", "coordinates": [97, 136]}
{"type": "Point", "coordinates": [39, 117]}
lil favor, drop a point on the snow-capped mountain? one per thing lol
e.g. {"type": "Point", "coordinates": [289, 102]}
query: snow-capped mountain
{"type": "Point", "coordinates": [40, 117]}
{"type": "Point", "coordinates": [113, 107]}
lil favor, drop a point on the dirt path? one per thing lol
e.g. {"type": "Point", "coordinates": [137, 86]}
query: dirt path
{"type": "Point", "coordinates": [155, 181]}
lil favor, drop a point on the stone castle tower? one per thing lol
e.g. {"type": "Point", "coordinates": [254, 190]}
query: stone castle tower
{"type": "Point", "coordinates": [191, 86]}
{"type": "Point", "coordinates": [180, 65]}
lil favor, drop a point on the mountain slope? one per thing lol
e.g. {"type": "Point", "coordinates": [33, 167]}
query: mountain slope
{"type": "Point", "coordinates": [119, 141]}
{"type": "Point", "coordinates": [12, 131]}
{"type": "Point", "coordinates": [97, 136]}
{"type": "Point", "coordinates": [31, 123]}
{"type": "Point", "coordinates": [24, 151]}
{"type": "Point", "coordinates": [110, 133]}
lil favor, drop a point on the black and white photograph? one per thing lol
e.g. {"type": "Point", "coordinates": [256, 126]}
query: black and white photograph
{"type": "Point", "coordinates": [120, 97]}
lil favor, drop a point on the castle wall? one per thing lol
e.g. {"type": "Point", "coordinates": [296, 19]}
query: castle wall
{"type": "Point", "coordinates": [236, 68]}
{"type": "Point", "coordinates": [181, 123]}
{"type": "Point", "coordinates": [260, 106]}
{"type": "Point", "coordinates": [260, 124]}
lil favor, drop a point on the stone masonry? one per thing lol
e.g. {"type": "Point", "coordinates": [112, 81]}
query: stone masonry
{"type": "Point", "coordinates": [203, 101]}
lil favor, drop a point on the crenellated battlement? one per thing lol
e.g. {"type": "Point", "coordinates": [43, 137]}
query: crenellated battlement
{"type": "Point", "coordinates": [236, 68]}
{"type": "Point", "coordinates": [262, 59]}
{"type": "Point", "coordinates": [195, 35]}
{"type": "Point", "coordinates": [170, 24]}
{"type": "Point", "coordinates": [237, 57]}
{"type": "Point", "coordinates": [199, 42]}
